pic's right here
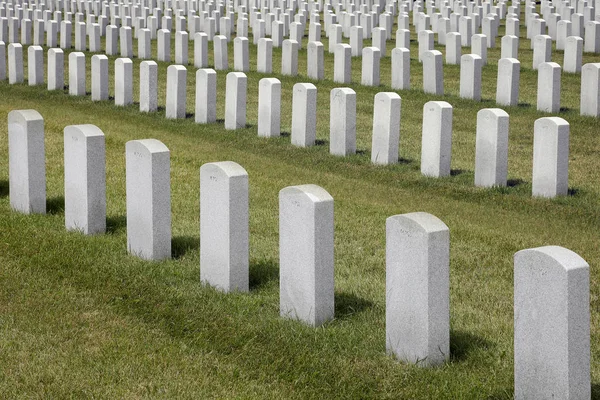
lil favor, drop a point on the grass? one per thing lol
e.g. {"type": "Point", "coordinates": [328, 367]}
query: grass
{"type": "Point", "coordinates": [80, 318]}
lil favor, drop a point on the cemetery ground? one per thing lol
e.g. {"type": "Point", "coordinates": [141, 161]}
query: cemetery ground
{"type": "Point", "coordinates": [79, 317]}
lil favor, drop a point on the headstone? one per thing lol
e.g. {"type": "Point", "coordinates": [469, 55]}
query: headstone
{"type": "Point", "coordinates": [370, 66]}
{"type": "Point", "coordinates": [123, 82]}
{"type": "Point", "coordinates": [26, 161]}
{"type": "Point", "coordinates": [573, 55]}
{"type": "Point", "coordinates": [491, 148]}
{"type": "Point", "coordinates": [94, 38]}
{"type": "Point", "coordinates": [379, 38]}
{"type": "Point", "coordinates": [56, 69]}
{"type": "Point", "coordinates": [112, 36]}
{"type": "Point", "coordinates": [241, 57]}
{"type": "Point", "coordinates": [470, 76]}
{"type": "Point", "coordinates": [269, 107]}
{"type": "Point", "coordinates": [563, 31]}
{"type": "Point", "coordinates": [35, 65]}
{"type": "Point", "coordinates": [550, 157]}
{"type": "Point", "coordinates": [335, 37]}
{"type": "Point", "coordinates": [235, 100]}
{"type": "Point", "coordinates": [176, 92]}
{"type": "Point", "coordinates": [85, 179]}
{"type": "Point", "coordinates": [386, 128]}
{"type": "Point", "coordinates": [315, 60]}
{"type": "Point", "coordinates": [220, 53]}
{"type": "Point", "coordinates": [224, 233]}
{"type": "Point", "coordinates": [433, 74]}
{"type": "Point", "coordinates": [148, 190]}
{"type": "Point", "coordinates": [77, 74]}
{"type": "Point", "coordinates": [264, 57]}
{"type": "Point", "coordinates": [425, 43]}
{"type": "Point", "coordinates": [99, 77]}
{"type": "Point", "coordinates": [417, 312]}
{"type": "Point", "coordinates": [551, 324]}
{"type": "Point", "coordinates": [342, 122]}
{"type": "Point", "coordinates": [479, 46]}
{"type": "Point", "coordinates": [356, 40]}
{"type": "Point", "coordinates": [289, 58]}
{"type": "Point", "coordinates": [542, 50]}
{"type": "Point", "coordinates": [206, 96]}
{"type": "Point", "coordinates": [181, 48]}
{"type": "Point", "coordinates": [342, 72]}
{"type": "Point", "coordinates": [436, 144]}
{"type": "Point", "coordinates": [148, 86]}
{"type": "Point", "coordinates": [304, 114]}
{"type": "Point", "coordinates": [306, 254]}
{"type": "Point", "coordinates": [401, 68]}
{"type": "Point", "coordinates": [144, 44]}
{"type": "Point", "coordinates": [403, 39]}
{"type": "Point", "coordinates": [509, 47]}
{"type": "Point", "coordinates": [15, 63]}
{"type": "Point", "coordinates": [200, 50]}
{"type": "Point", "coordinates": [163, 43]}
{"type": "Point", "coordinates": [548, 91]}
{"type": "Point", "coordinates": [126, 42]}
{"type": "Point", "coordinates": [453, 48]}
{"type": "Point", "coordinates": [591, 43]}
{"type": "Point", "coordinates": [507, 88]}
{"type": "Point", "coordinates": [80, 36]}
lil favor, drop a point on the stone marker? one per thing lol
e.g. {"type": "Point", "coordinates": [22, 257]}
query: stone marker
{"type": "Point", "coordinates": [356, 41]}
{"type": "Point", "coordinates": [264, 57]}
{"type": "Point", "coordinates": [26, 161]}
{"type": "Point", "coordinates": [200, 50]}
{"type": "Point", "coordinates": [112, 36]}
{"type": "Point", "coordinates": [417, 282]}
{"type": "Point", "coordinates": [148, 189]}
{"type": "Point", "coordinates": [235, 100]}
{"type": "Point", "coordinates": [2, 61]}
{"type": "Point", "coordinates": [591, 43]}
{"type": "Point", "coordinates": [491, 148]}
{"type": "Point", "coordinates": [548, 90]}
{"type": "Point", "coordinates": [304, 115]}
{"type": "Point", "coordinates": [144, 44]}
{"type": "Point", "coordinates": [148, 86]}
{"type": "Point", "coordinates": [176, 92]}
{"type": "Point", "coordinates": [306, 254]}
{"type": "Point", "coordinates": [470, 76]}
{"type": "Point", "coordinates": [163, 42]}
{"type": "Point", "coordinates": [479, 46]}
{"type": "Point", "coordinates": [370, 66]}
{"type": "Point", "coordinates": [123, 81]}
{"type": "Point", "coordinates": [573, 55]}
{"type": "Point", "coordinates": [550, 157]}
{"type": "Point", "coordinates": [269, 107]}
{"type": "Point", "coordinates": [315, 60]}
{"type": "Point", "coordinates": [552, 324]}
{"type": "Point", "coordinates": [80, 36]}
{"type": "Point", "coordinates": [56, 69]}
{"type": "Point", "coordinates": [15, 63]}
{"type": "Point", "coordinates": [401, 68]}
{"type": "Point", "coordinates": [77, 74]}
{"type": "Point", "coordinates": [342, 122]}
{"type": "Point", "coordinates": [220, 53]}
{"type": "Point", "coordinates": [94, 38]}
{"type": "Point", "coordinates": [436, 144]}
{"type": "Point", "coordinates": [35, 65]}
{"type": "Point", "coordinates": [85, 179]}
{"type": "Point", "coordinates": [590, 90]}
{"type": "Point", "coordinates": [99, 77]}
{"type": "Point", "coordinates": [507, 86]}
{"type": "Point", "coordinates": [453, 48]}
{"type": "Point", "coordinates": [126, 42]}
{"type": "Point", "coordinates": [241, 57]}
{"type": "Point", "coordinates": [509, 47]}
{"type": "Point", "coordinates": [342, 72]}
{"type": "Point", "coordinates": [289, 58]}
{"type": "Point", "coordinates": [224, 226]}
{"type": "Point", "coordinates": [206, 96]}
{"type": "Point", "coordinates": [386, 128]}
{"type": "Point", "coordinates": [181, 48]}
{"type": "Point", "coordinates": [542, 49]}
{"type": "Point", "coordinates": [433, 75]}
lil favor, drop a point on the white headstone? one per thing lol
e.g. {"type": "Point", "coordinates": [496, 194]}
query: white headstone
{"type": "Point", "coordinates": [548, 90]}
{"type": "Point", "coordinates": [453, 48]}
{"type": "Point", "coordinates": [342, 122]}
{"type": "Point", "coordinates": [436, 144]}
{"type": "Point", "coordinates": [315, 60]}
{"type": "Point", "coordinates": [15, 63]}
{"type": "Point", "coordinates": [200, 50]}
{"type": "Point", "coordinates": [573, 55]}
{"type": "Point", "coordinates": [241, 57]}
{"type": "Point", "coordinates": [491, 148]}
{"type": "Point", "coordinates": [470, 76]}
{"type": "Point", "coordinates": [590, 90]}
{"type": "Point", "coordinates": [542, 50]}
{"type": "Point", "coordinates": [77, 74]}
{"type": "Point", "coordinates": [386, 128]}
{"type": "Point", "coordinates": [35, 65]}
{"type": "Point", "coordinates": [289, 58]}
{"type": "Point", "coordinates": [507, 87]}
{"type": "Point", "coordinates": [235, 100]}
{"type": "Point", "coordinates": [370, 66]}
{"type": "Point", "coordinates": [126, 42]}
{"type": "Point", "coordinates": [163, 42]}
{"type": "Point", "coordinates": [206, 96]}
{"type": "Point", "coordinates": [148, 86]}
{"type": "Point", "coordinates": [401, 68]}
{"type": "Point", "coordinates": [304, 114]}
{"type": "Point", "coordinates": [264, 56]}
{"type": "Point", "coordinates": [509, 47]}
{"type": "Point", "coordinates": [56, 69]}
{"type": "Point", "coordinates": [123, 81]}
{"type": "Point", "coordinates": [220, 53]}
{"type": "Point", "coordinates": [550, 157]}
{"type": "Point", "coordinates": [269, 107]}
{"type": "Point", "coordinates": [99, 77]}
{"type": "Point", "coordinates": [433, 74]}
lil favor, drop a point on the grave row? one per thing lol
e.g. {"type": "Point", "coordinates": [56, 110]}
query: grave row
{"type": "Point", "coordinates": [551, 284]}
{"type": "Point", "coordinates": [551, 135]}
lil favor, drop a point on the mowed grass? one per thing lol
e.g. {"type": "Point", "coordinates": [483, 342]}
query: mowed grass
{"type": "Point", "coordinates": [80, 318]}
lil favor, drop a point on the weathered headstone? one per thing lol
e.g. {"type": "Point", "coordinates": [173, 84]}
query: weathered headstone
{"type": "Point", "coordinates": [550, 157]}
{"type": "Point", "coordinates": [417, 312]}
{"type": "Point", "coordinates": [436, 144]}
{"type": "Point", "coordinates": [386, 128]}
{"type": "Point", "coordinates": [306, 254]}
{"type": "Point", "coordinates": [85, 179]}
{"type": "Point", "coordinates": [148, 190]}
{"type": "Point", "coordinates": [224, 233]}
{"type": "Point", "coordinates": [491, 148]}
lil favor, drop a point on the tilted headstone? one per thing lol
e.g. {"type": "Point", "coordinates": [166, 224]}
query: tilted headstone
{"type": "Point", "coordinates": [148, 86]}
{"type": "Point", "coordinates": [342, 122]}
{"type": "Point", "coordinates": [85, 179]}
{"type": "Point", "coordinates": [26, 161]}
{"type": "Point", "coordinates": [590, 90]}
{"type": "Point", "coordinates": [269, 107]}
{"type": "Point", "coordinates": [507, 84]}
{"type": "Point", "coordinates": [304, 114]}
{"type": "Point", "coordinates": [551, 324]}
{"type": "Point", "coordinates": [417, 287]}
{"type": "Point", "coordinates": [176, 92]}
{"type": "Point", "coordinates": [491, 148]}
{"type": "Point", "coordinates": [386, 128]}
{"type": "Point", "coordinates": [224, 234]}
{"type": "Point", "coordinates": [235, 100]}
{"type": "Point", "coordinates": [550, 157]}
{"type": "Point", "coordinates": [77, 74]}
{"type": "Point", "coordinates": [306, 254]}
{"type": "Point", "coordinates": [436, 144]}
{"type": "Point", "coordinates": [148, 190]}
{"type": "Point", "coordinates": [548, 90]}
{"type": "Point", "coordinates": [123, 81]}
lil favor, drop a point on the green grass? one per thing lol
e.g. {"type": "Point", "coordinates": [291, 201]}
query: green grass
{"type": "Point", "coordinates": [80, 318]}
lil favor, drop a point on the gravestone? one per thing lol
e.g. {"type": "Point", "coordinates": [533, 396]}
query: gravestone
{"type": "Point", "coordinates": [509, 47]}
{"type": "Point", "coordinates": [306, 254]}
{"type": "Point", "coordinates": [224, 234]}
{"type": "Point", "coordinates": [181, 47]}
{"type": "Point", "coordinates": [433, 74]}
{"type": "Point", "coordinates": [77, 74]}
{"type": "Point", "coordinates": [235, 100]}
{"type": "Point", "coordinates": [370, 66]}
{"type": "Point", "coordinates": [304, 114]}
{"type": "Point", "coordinates": [269, 107]}
{"type": "Point", "coordinates": [176, 92]}
{"type": "Point", "coordinates": [590, 90]}
{"type": "Point", "coordinates": [220, 53]}
{"type": "Point", "coordinates": [144, 44]}
{"type": "Point", "coordinates": [206, 96]}
{"type": "Point", "coordinates": [264, 57]}
{"type": "Point", "coordinates": [507, 84]}
{"type": "Point", "coordinates": [15, 63]}
{"type": "Point", "coordinates": [548, 90]}
{"type": "Point", "coordinates": [99, 77]}
{"type": "Point", "coordinates": [542, 50]}
{"type": "Point", "coordinates": [200, 50]}
{"type": "Point", "coordinates": [241, 57]}
{"type": "Point", "coordinates": [315, 60]}
{"type": "Point", "coordinates": [163, 42]}
{"type": "Point", "coordinates": [26, 161]}
{"type": "Point", "coordinates": [401, 68]}
{"type": "Point", "coordinates": [112, 37]}
{"type": "Point", "coordinates": [550, 157]}
{"type": "Point", "coordinates": [148, 190]}
{"type": "Point", "coordinates": [35, 65]}
{"type": "Point", "coordinates": [342, 64]}
{"type": "Point", "coordinates": [85, 179]}
{"type": "Point", "coordinates": [551, 324]}
{"type": "Point", "coordinates": [436, 144]}
{"type": "Point", "coordinates": [386, 128]}
{"type": "Point", "coordinates": [573, 55]}
{"type": "Point", "coordinates": [148, 86]}
{"type": "Point", "coordinates": [56, 69]}
{"type": "Point", "coordinates": [417, 312]}
{"type": "Point", "coordinates": [491, 147]}
{"type": "Point", "coordinates": [123, 82]}
{"type": "Point", "coordinates": [289, 58]}
{"type": "Point", "coordinates": [453, 48]}
{"type": "Point", "coordinates": [342, 122]}
{"type": "Point", "coordinates": [470, 76]}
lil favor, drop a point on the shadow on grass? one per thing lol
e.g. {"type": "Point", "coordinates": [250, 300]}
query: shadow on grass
{"type": "Point", "coordinates": [262, 272]}
{"type": "Point", "coordinates": [348, 304]}
{"type": "Point", "coordinates": [3, 188]}
{"type": "Point", "coordinates": [181, 245]}
{"type": "Point", "coordinates": [514, 182]}
{"type": "Point", "coordinates": [55, 205]}
{"type": "Point", "coordinates": [116, 224]}
{"type": "Point", "coordinates": [403, 160]}
{"type": "Point", "coordinates": [455, 172]}
{"type": "Point", "coordinates": [595, 390]}
{"type": "Point", "coordinates": [524, 105]}
{"type": "Point", "coordinates": [321, 142]}
{"type": "Point", "coordinates": [573, 191]}
{"type": "Point", "coordinates": [462, 343]}
{"type": "Point", "coordinates": [285, 134]}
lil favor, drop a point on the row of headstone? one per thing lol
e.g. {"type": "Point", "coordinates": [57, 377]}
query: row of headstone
{"type": "Point", "coordinates": [551, 283]}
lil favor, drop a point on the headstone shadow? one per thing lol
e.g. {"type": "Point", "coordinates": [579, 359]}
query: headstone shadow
{"type": "Point", "coordinates": [455, 172]}
{"type": "Point", "coordinates": [462, 343]}
{"type": "Point", "coordinates": [514, 182]}
{"type": "Point", "coordinates": [3, 188]}
{"type": "Point", "coordinates": [181, 245]}
{"type": "Point", "coordinates": [55, 205]}
{"type": "Point", "coordinates": [262, 272]}
{"type": "Point", "coordinates": [116, 224]}
{"type": "Point", "coordinates": [348, 304]}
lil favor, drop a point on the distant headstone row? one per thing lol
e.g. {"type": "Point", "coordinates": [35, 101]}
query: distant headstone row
{"type": "Point", "coordinates": [550, 172]}
{"type": "Point", "coordinates": [551, 299]}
